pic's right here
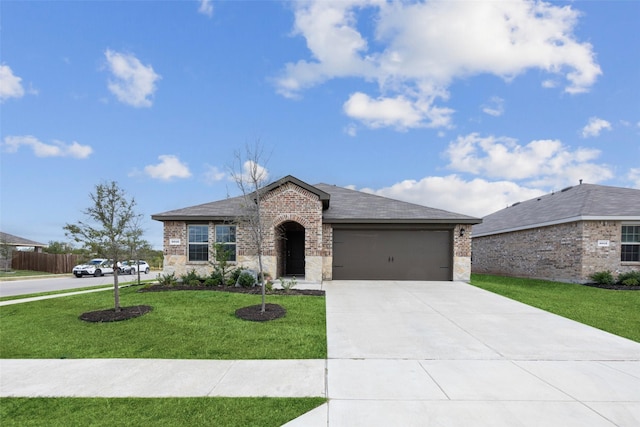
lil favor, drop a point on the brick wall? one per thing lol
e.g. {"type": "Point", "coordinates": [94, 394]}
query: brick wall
{"type": "Point", "coordinates": [565, 252]}
{"type": "Point", "coordinates": [283, 204]}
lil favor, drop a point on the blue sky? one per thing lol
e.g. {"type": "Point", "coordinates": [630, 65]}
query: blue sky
{"type": "Point", "coordinates": [467, 106]}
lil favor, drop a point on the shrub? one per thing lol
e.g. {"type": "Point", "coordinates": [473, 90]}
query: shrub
{"type": "Point", "coordinates": [234, 275]}
{"type": "Point", "coordinates": [632, 278]}
{"type": "Point", "coordinates": [167, 279]}
{"type": "Point", "coordinates": [246, 280]}
{"type": "Point", "coordinates": [210, 281]}
{"type": "Point", "coordinates": [287, 285]}
{"type": "Point", "coordinates": [215, 278]}
{"type": "Point", "coordinates": [268, 286]}
{"type": "Point", "coordinates": [603, 277]}
{"type": "Point", "coordinates": [190, 278]}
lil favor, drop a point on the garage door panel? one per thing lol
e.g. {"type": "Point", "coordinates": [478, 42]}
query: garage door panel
{"type": "Point", "coordinates": [392, 254]}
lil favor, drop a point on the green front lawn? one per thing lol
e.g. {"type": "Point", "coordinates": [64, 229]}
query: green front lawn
{"type": "Point", "coordinates": [201, 411]}
{"type": "Point", "coordinates": [613, 311]}
{"type": "Point", "coordinates": [182, 325]}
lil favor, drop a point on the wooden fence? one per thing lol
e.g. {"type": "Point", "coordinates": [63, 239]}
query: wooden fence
{"type": "Point", "coordinates": [50, 263]}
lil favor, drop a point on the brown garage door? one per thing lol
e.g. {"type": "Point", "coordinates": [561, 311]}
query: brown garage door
{"type": "Point", "coordinates": [383, 254]}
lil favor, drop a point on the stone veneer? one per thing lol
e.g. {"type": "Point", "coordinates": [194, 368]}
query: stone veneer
{"type": "Point", "coordinates": [286, 203]}
{"type": "Point", "coordinates": [565, 252]}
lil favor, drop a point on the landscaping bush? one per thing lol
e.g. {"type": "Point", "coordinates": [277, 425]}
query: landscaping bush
{"type": "Point", "coordinates": [167, 279]}
{"type": "Point", "coordinates": [246, 279]}
{"type": "Point", "coordinates": [210, 281]}
{"type": "Point", "coordinates": [216, 278]}
{"type": "Point", "coordinates": [603, 278]}
{"type": "Point", "coordinates": [234, 275]}
{"type": "Point", "coordinates": [287, 285]}
{"type": "Point", "coordinates": [632, 278]}
{"type": "Point", "coordinates": [191, 278]}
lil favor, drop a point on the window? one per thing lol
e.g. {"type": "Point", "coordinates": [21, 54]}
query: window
{"type": "Point", "coordinates": [198, 243]}
{"type": "Point", "coordinates": [226, 234]}
{"type": "Point", "coordinates": [630, 250]}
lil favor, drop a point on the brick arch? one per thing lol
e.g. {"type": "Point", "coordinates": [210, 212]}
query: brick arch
{"type": "Point", "coordinates": [288, 217]}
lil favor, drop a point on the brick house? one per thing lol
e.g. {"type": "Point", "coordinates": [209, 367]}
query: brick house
{"type": "Point", "coordinates": [323, 232]}
{"type": "Point", "coordinates": [564, 236]}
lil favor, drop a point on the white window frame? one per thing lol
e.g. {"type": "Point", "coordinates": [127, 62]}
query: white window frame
{"type": "Point", "coordinates": [221, 237]}
{"type": "Point", "coordinates": [633, 243]}
{"type": "Point", "coordinates": [198, 243]}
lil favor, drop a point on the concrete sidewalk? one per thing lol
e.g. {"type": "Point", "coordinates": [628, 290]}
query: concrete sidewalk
{"type": "Point", "coordinates": [400, 353]}
{"type": "Point", "coordinates": [161, 378]}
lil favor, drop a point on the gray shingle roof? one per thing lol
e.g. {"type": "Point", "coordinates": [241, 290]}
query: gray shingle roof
{"type": "Point", "coordinates": [357, 207]}
{"type": "Point", "coordinates": [346, 206]}
{"type": "Point", "coordinates": [581, 202]}
{"type": "Point", "coordinates": [12, 240]}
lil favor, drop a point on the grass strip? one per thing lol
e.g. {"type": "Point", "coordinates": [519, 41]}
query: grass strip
{"type": "Point", "coordinates": [66, 291]}
{"type": "Point", "coordinates": [201, 411]}
{"type": "Point", "coordinates": [182, 325]}
{"type": "Point", "coordinates": [609, 310]}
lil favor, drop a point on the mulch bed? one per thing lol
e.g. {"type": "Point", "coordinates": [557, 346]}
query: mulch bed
{"type": "Point", "coordinates": [255, 290]}
{"type": "Point", "coordinates": [111, 315]}
{"type": "Point", "coordinates": [254, 312]}
{"type": "Point", "coordinates": [613, 287]}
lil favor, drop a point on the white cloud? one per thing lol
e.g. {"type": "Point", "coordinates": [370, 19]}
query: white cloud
{"type": "Point", "coordinates": [206, 8]}
{"type": "Point", "coordinates": [477, 197]}
{"type": "Point", "coordinates": [540, 163]}
{"type": "Point", "coordinates": [494, 107]}
{"type": "Point", "coordinates": [634, 177]}
{"type": "Point", "coordinates": [40, 149]}
{"type": "Point", "coordinates": [132, 83]}
{"type": "Point", "coordinates": [10, 86]}
{"type": "Point", "coordinates": [170, 167]}
{"type": "Point", "coordinates": [250, 170]}
{"type": "Point", "coordinates": [213, 175]}
{"type": "Point", "coordinates": [418, 49]}
{"type": "Point", "coordinates": [383, 112]}
{"type": "Point", "coordinates": [594, 127]}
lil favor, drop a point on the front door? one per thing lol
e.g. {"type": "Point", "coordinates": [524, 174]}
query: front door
{"type": "Point", "coordinates": [294, 250]}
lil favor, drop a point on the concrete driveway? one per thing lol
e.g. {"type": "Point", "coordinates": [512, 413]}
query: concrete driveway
{"type": "Point", "coordinates": [450, 354]}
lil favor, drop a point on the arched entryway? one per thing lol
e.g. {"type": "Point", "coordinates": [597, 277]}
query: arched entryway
{"type": "Point", "coordinates": [291, 249]}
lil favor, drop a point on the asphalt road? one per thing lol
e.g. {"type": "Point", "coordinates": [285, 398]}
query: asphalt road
{"type": "Point", "coordinates": [32, 286]}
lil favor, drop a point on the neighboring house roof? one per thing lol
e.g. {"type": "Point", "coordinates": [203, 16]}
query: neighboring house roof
{"type": "Point", "coordinates": [347, 206]}
{"type": "Point", "coordinates": [578, 203]}
{"type": "Point", "coordinates": [10, 239]}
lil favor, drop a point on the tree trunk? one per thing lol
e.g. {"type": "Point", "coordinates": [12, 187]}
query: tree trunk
{"type": "Point", "coordinates": [116, 288]}
{"type": "Point", "coordinates": [261, 278]}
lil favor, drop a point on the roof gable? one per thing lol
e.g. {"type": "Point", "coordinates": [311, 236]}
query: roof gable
{"type": "Point", "coordinates": [324, 197]}
{"type": "Point", "coordinates": [581, 202]}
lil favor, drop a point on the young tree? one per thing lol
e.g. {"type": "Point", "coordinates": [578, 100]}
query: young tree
{"type": "Point", "coordinates": [110, 217]}
{"type": "Point", "coordinates": [136, 246]}
{"type": "Point", "coordinates": [251, 177]}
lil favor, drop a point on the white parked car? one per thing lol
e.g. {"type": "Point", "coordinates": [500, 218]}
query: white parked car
{"type": "Point", "coordinates": [96, 267]}
{"type": "Point", "coordinates": [132, 267]}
